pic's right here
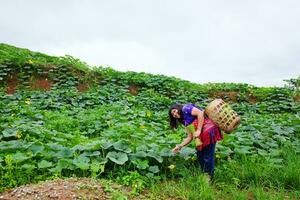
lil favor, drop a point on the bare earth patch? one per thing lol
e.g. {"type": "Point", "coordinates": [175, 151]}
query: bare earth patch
{"type": "Point", "coordinates": [12, 84]}
{"type": "Point", "coordinates": [297, 98]}
{"type": "Point", "coordinates": [77, 189]}
{"type": "Point", "coordinates": [41, 84]}
{"type": "Point", "coordinates": [232, 96]}
{"type": "Point", "coordinates": [58, 189]}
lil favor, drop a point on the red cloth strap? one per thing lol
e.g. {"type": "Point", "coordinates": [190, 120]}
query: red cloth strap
{"type": "Point", "coordinates": [210, 133]}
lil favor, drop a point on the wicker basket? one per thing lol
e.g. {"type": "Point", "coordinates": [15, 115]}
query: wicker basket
{"type": "Point", "coordinates": [222, 115]}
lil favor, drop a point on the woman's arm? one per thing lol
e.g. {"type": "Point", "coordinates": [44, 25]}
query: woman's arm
{"type": "Point", "coordinates": [200, 117]}
{"type": "Point", "coordinates": [185, 142]}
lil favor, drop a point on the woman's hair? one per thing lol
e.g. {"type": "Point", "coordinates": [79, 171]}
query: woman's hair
{"type": "Point", "coordinates": [173, 120]}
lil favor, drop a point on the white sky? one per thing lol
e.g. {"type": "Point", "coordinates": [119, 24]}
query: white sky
{"type": "Point", "coordinates": [240, 41]}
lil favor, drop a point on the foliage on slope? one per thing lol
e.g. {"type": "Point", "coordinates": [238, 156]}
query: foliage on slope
{"type": "Point", "coordinates": [60, 117]}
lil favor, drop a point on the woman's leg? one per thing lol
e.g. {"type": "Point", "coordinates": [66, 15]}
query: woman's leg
{"type": "Point", "coordinates": [206, 159]}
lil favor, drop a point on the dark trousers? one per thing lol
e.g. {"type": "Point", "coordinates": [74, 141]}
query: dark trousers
{"type": "Point", "coordinates": [206, 159]}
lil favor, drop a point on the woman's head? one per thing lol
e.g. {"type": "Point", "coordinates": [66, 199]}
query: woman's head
{"type": "Point", "coordinates": [175, 115]}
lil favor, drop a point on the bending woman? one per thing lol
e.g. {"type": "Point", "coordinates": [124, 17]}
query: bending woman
{"type": "Point", "coordinates": [198, 126]}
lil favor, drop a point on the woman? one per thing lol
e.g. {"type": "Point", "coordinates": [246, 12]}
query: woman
{"type": "Point", "coordinates": [202, 127]}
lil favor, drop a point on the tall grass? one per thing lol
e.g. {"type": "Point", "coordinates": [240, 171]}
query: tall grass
{"type": "Point", "coordinates": [193, 185]}
{"type": "Point", "coordinates": [260, 172]}
{"type": "Point", "coordinates": [244, 177]}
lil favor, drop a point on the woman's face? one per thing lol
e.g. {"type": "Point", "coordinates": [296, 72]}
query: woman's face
{"type": "Point", "coordinates": [175, 113]}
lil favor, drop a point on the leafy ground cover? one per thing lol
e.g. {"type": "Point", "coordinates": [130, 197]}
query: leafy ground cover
{"type": "Point", "coordinates": [59, 118]}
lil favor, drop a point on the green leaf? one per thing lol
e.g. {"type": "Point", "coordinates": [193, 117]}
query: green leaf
{"type": "Point", "coordinates": [106, 144]}
{"type": "Point", "coordinates": [11, 145]}
{"type": "Point", "coordinates": [19, 157]}
{"type": "Point", "coordinates": [121, 146]}
{"type": "Point", "coordinates": [65, 164]}
{"type": "Point", "coordinates": [141, 148]}
{"type": "Point", "coordinates": [44, 164]}
{"type": "Point", "coordinates": [10, 132]}
{"type": "Point", "coordinates": [96, 153]}
{"type": "Point", "coordinates": [78, 147]}
{"type": "Point", "coordinates": [154, 155]}
{"type": "Point", "coordinates": [262, 152]}
{"type": "Point", "coordinates": [242, 150]}
{"type": "Point", "coordinates": [117, 157]}
{"type": "Point", "coordinates": [150, 175]}
{"type": "Point", "coordinates": [95, 145]}
{"type": "Point", "coordinates": [64, 153]}
{"type": "Point", "coordinates": [187, 152]}
{"type": "Point", "coordinates": [38, 116]}
{"type": "Point", "coordinates": [56, 146]}
{"type": "Point", "coordinates": [154, 169]}
{"type": "Point", "coordinates": [36, 148]}
{"type": "Point", "coordinates": [166, 152]}
{"type": "Point", "coordinates": [82, 162]}
{"type": "Point", "coordinates": [141, 164]}
{"type": "Point", "coordinates": [55, 170]}
{"type": "Point", "coordinates": [97, 166]}
{"type": "Point", "coordinates": [140, 154]}
{"type": "Point", "coordinates": [101, 160]}
{"type": "Point", "coordinates": [28, 167]}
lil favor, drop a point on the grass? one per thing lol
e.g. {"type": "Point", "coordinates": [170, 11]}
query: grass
{"type": "Point", "coordinates": [242, 178]}
{"type": "Point", "coordinates": [260, 172]}
{"type": "Point", "coordinates": [193, 185]}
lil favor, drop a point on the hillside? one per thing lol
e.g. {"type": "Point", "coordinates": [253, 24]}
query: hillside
{"type": "Point", "coordinates": [61, 118]}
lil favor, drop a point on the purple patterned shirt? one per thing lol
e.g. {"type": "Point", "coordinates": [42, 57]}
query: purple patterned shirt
{"type": "Point", "coordinates": [188, 118]}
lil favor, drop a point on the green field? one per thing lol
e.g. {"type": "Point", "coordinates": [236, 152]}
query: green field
{"type": "Point", "coordinates": [61, 118]}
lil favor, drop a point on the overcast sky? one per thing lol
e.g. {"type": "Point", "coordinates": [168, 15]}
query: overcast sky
{"type": "Point", "coordinates": [240, 41]}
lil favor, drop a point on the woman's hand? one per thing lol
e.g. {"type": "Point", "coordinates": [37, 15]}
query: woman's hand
{"type": "Point", "coordinates": [177, 149]}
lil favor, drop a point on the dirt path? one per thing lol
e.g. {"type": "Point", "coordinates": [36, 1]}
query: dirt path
{"type": "Point", "coordinates": [58, 189]}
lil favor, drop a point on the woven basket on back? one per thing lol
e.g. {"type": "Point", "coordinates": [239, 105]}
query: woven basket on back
{"type": "Point", "coordinates": [223, 115]}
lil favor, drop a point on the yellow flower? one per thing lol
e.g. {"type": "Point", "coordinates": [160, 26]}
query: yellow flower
{"type": "Point", "coordinates": [149, 114]}
{"type": "Point", "coordinates": [30, 61]}
{"type": "Point", "coordinates": [171, 167]}
{"type": "Point", "coordinates": [27, 101]}
{"type": "Point", "coordinates": [218, 156]}
{"type": "Point", "coordinates": [19, 134]}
